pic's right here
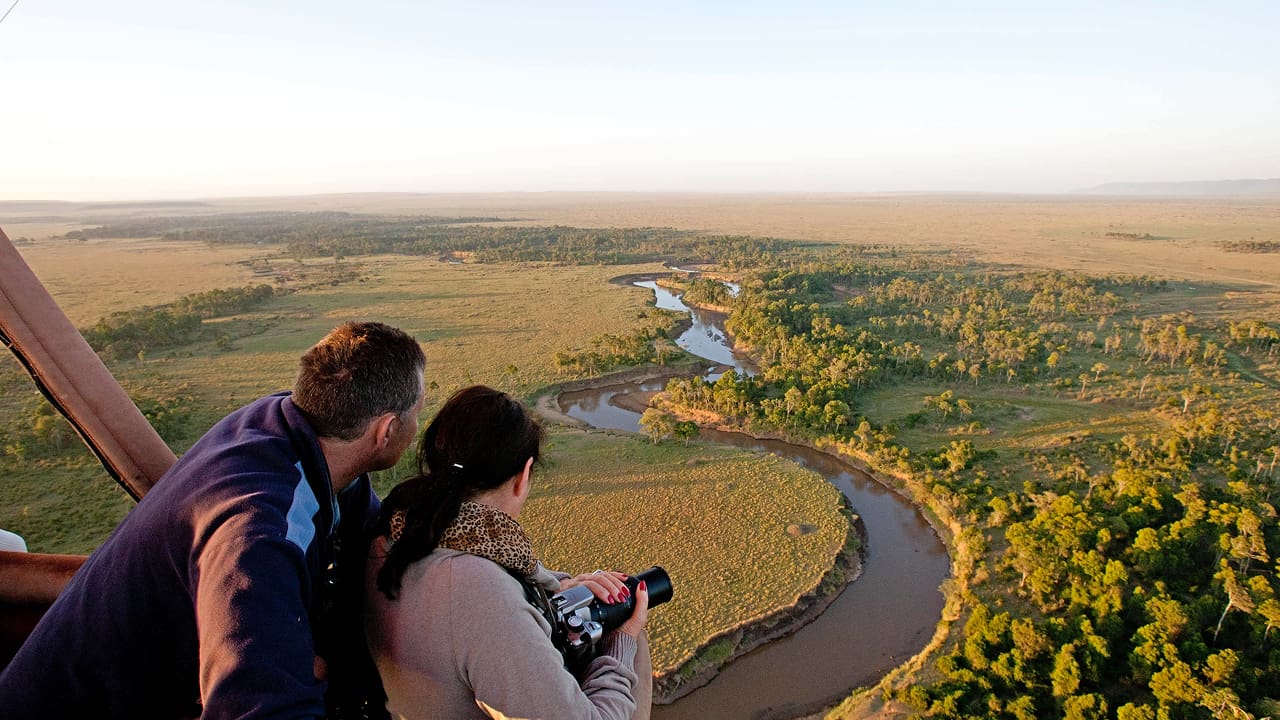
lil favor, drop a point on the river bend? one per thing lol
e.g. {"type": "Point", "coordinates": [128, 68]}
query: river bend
{"type": "Point", "coordinates": [876, 624]}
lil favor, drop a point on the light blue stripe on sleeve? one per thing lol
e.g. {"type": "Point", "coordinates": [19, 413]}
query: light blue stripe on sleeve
{"type": "Point", "coordinates": [302, 528]}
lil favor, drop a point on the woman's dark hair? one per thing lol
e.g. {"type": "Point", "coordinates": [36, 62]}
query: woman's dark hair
{"type": "Point", "coordinates": [478, 440]}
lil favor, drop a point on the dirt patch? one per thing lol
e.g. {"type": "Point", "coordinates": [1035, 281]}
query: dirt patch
{"type": "Point", "coordinates": [796, 530]}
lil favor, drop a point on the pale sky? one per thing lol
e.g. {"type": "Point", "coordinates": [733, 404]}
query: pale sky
{"type": "Point", "coordinates": [123, 99]}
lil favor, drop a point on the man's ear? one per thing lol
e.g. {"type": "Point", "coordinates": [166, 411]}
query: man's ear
{"type": "Point", "coordinates": [383, 429]}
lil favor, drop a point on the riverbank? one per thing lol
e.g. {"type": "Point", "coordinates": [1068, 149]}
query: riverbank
{"type": "Point", "coordinates": [933, 519]}
{"type": "Point", "coordinates": [546, 401]}
{"type": "Point", "coordinates": [870, 701]}
{"type": "Point", "coordinates": [874, 701]}
{"type": "Point", "coordinates": [736, 641]}
{"type": "Point", "coordinates": [665, 281]}
{"type": "Point", "coordinates": [674, 286]}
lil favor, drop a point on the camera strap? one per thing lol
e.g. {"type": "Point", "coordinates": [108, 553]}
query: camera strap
{"type": "Point", "coordinates": [536, 595]}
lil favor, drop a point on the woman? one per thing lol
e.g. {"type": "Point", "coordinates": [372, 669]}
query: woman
{"type": "Point", "coordinates": [447, 618]}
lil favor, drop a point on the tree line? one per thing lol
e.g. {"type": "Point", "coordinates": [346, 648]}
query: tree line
{"type": "Point", "coordinates": [134, 333]}
{"type": "Point", "coordinates": [648, 345]}
{"type": "Point", "coordinates": [334, 234]}
{"type": "Point", "coordinates": [1250, 246]}
{"type": "Point", "coordinates": [1101, 577]}
{"type": "Point", "coordinates": [275, 228]}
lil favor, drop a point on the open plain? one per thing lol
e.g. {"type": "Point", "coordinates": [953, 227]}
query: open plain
{"type": "Point", "coordinates": [1033, 428]}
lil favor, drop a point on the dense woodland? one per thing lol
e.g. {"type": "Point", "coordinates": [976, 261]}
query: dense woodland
{"type": "Point", "coordinates": [306, 235]}
{"type": "Point", "coordinates": [123, 335]}
{"type": "Point", "coordinates": [705, 292]}
{"type": "Point", "coordinates": [1101, 576]}
{"type": "Point", "coordinates": [652, 343]}
{"type": "Point", "coordinates": [273, 228]}
{"type": "Point", "coordinates": [1127, 571]}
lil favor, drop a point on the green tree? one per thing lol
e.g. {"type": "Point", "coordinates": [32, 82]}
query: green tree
{"type": "Point", "coordinates": [941, 402]}
{"type": "Point", "coordinates": [1131, 711]}
{"type": "Point", "coordinates": [658, 425]}
{"type": "Point", "coordinates": [1237, 596]}
{"type": "Point", "coordinates": [835, 414]}
{"type": "Point", "coordinates": [49, 426]}
{"type": "Point", "coordinates": [1066, 672]}
{"type": "Point", "coordinates": [1098, 368]}
{"type": "Point", "coordinates": [663, 349]}
{"type": "Point", "coordinates": [686, 430]}
{"type": "Point", "coordinates": [1176, 683]}
{"type": "Point", "coordinates": [1084, 707]}
{"type": "Point", "coordinates": [959, 455]}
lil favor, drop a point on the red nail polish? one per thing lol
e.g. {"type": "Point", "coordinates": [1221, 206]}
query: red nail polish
{"type": "Point", "coordinates": [642, 586]}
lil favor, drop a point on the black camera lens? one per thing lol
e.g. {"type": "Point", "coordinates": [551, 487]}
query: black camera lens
{"type": "Point", "coordinates": [656, 581]}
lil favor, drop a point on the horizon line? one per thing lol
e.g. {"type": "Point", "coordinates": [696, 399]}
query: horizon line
{"type": "Point", "coordinates": [1109, 189]}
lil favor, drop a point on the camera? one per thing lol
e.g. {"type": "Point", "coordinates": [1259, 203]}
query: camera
{"type": "Point", "coordinates": [579, 620]}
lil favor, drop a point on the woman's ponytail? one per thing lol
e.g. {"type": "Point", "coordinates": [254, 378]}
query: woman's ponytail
{"type": "Point", "coordinates": [414, 516]}
{"type": "Point", "coordinates": [479, 439]}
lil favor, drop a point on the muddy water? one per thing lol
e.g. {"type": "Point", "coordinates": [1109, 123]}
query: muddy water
{"type": "Point", "coordinates": [707, 337]}
{"type": "Point", "coordinates": [877, 622]}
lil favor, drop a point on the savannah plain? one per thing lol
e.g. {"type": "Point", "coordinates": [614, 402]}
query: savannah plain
{"type": "Point", "coordinates": [715, 517]}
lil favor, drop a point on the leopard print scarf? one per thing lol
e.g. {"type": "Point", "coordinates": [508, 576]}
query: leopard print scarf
{"type": "Point", "coordinates": [486, 531]}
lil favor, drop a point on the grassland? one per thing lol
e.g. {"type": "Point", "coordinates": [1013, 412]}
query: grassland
{"type": "Point", "coordinates": [1002, 419]}
{"type": "Point", "coordinates": [478, 324]}
{"type": "Point", "coordinates": [92, 279]}
{"type": "Point", "coordinates": [1060, 232]}
{"type": "Point", "coordinates": [1033, 231]}
{"type": "Point", "coordinates": [712, 516]}
{"type": "Point", "coordinates": [1181, 240]}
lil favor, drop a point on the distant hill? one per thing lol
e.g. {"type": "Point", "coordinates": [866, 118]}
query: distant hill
{"type": "Point", "coordinates": [1217, 188]}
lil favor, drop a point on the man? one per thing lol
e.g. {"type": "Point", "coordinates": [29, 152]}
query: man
{"type": "Point", "coordinates": [210, 597]}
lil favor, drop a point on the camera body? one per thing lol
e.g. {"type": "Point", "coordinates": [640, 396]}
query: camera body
{"type": "Point", "coordinates": [579, 620]}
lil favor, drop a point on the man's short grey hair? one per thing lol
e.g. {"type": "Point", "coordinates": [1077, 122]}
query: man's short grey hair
{"type": "Point", "coordinates": [358, 372]}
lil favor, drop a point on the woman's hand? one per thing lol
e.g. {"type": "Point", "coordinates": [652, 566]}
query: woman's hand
{"type": "Point", "coordinates": [635, 624]}
{"type": "Point", "coordinates": [608, 586]}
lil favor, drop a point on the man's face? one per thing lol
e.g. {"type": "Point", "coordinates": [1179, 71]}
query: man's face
{"type": "Point", "coordinates": [405, 430]}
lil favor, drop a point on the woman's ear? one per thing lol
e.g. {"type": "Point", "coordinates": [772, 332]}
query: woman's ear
{"type": "Point", "coordinates": [524, 480]}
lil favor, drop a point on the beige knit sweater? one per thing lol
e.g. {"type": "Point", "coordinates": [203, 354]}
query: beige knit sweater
{"type": "Point", "coordinates": [461, 641]}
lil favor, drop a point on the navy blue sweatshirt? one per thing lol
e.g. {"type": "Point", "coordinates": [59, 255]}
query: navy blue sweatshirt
{"type": "Point", "coordinates": [208, 593]}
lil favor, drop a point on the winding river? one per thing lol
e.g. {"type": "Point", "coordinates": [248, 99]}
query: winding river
{"type": "Point", "coordinates": [876, 624]}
